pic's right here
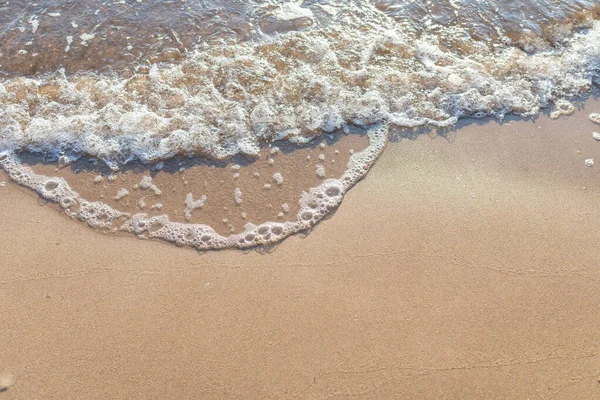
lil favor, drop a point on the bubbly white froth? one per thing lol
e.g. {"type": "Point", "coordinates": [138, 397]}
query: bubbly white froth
{"type": "Point", "coordinates": [314, 205]}
{"type": "Point", "coordinates": [223, 100]}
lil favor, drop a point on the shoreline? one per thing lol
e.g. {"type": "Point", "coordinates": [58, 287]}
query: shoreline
{"type": "Point", "coordinates": [462, 266]}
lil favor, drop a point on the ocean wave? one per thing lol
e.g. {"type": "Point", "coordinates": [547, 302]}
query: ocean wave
{"type": "Point", "coordinates": [228, 98]}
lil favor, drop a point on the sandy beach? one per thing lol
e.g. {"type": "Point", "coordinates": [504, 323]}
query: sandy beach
{"type": "Point", "coordinates": [463, 266]}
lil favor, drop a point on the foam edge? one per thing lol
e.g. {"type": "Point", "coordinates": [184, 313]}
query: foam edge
{"type": "Point", "coordinates": [315, 204]}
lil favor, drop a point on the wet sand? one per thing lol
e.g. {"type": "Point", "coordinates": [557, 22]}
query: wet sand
{"type": "Point", "coordinates": [262, 197]}
{"type": "Point", "coordinates": [462, 267]}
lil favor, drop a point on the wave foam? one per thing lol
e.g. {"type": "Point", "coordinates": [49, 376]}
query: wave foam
{"type": "Point", "coordinates": [314, 205]}
{"type": "Point", "coordinates": [228, 99]}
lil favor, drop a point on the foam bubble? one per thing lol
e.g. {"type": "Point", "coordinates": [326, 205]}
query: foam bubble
{"type": "Point", "coordinates": [99, 215]}
{"type": "Point", "coordinates": [595, 117]}
{"type": "Point", "coordinates": [589, 162]}
{"type": "Point", "coordinates": [237, 196]}
{"type": "Point", "coordinates": [563, 107]}
{"type": "Point", "coordinates": [121, 193]}
{"type": "Point", "coordinates": [146, 184]}
{"type": "Point", "coordinates": [320, 171]}
{"type": "Point", "coordinates": [278, 178]}
{"type": "Point", "coordinates": [191, 205]}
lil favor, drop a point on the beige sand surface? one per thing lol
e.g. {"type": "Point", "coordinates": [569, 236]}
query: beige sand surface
{"type": "Point", "coordinates": [464, 267]}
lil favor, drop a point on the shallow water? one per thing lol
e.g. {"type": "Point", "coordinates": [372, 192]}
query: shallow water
{"type": "Point", "coordinates": [120, 36]}
{"type": "Point", "coordinates": [123, 35]}
{"type": "Point", "coordinates": [149, 80]}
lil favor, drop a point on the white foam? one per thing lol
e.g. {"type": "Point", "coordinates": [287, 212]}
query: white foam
{"type": "Point", "coordinates": [596, 135]}
{"type": "Point", "coordinates": [146, 184]}
{"type": "Point", "coordinates": [320, 171]}
{"type": "Point", "coordinates": [314, 205]}
{"type": "Point", "coordinates": [69, 40]}
{"type": "Point", "coordinates": [563, 107]}
{"type": "Point", "coordinates": [278, 178]}
{"type": "Point", "coordinates": [237, 196]}
{"type": "Point", "coordinates": [121, 193]}
{"type": "Point", "coordinates": [589, 162]}
{"type": "Point", "coordinates": [86, 37]}
{"type": "Point", "coordinates": [595, 117]}
{"type": "Point", "coordinates": [35, 23]}
{"type": "Point", "coordinates": [345, 74]}
{"type": "Point", "coordinates": [191, 205]}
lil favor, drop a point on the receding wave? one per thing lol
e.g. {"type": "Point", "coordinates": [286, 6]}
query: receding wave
{"type": "Point", "coordinates": [303, 75]}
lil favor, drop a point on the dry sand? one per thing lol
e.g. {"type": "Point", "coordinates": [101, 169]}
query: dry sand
{"type": "Point", "coordinates": [464, 267]}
